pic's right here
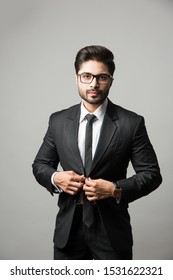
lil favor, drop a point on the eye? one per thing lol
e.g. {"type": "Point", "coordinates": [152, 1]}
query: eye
{"type": "Point", "coordinates": [86, 76]}
{"type": "Point", "coordinates": [103, 77]}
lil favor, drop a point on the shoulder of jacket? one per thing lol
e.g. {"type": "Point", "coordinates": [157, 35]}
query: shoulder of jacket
{"type": "Point", "coordinates": [123, 116]}
{"type": "Point", "coordinates": [126, 113]}
{"type": "Point", "coordinates": [65, 112]}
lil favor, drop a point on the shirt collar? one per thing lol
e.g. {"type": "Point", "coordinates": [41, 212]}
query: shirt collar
{"type": "Point", "coordinates": [99, 112]}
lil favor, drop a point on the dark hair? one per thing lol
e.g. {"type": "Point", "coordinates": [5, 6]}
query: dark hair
{"type": "Point", "coordinates": [98, 53]}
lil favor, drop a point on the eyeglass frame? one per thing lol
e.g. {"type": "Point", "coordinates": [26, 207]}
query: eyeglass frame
{"type": "Point", "coordinates": [95, 76]}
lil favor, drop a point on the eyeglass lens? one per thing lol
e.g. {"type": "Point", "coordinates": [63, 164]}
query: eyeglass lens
{"type": "Point", "coordinates": [87, 78]}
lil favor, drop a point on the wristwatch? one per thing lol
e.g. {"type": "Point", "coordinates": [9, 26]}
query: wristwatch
{"type": "Point", "coordinates": [117, 192]}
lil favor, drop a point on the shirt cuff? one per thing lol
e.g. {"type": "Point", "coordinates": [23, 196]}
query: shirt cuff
{"type": "Point", "coordinates": [57, 188]}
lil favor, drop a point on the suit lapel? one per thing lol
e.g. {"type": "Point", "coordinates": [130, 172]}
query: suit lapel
{"type": "Point", "coordinates": [72, 134]}
{"type": "Point", "coordinates": [108, 130]}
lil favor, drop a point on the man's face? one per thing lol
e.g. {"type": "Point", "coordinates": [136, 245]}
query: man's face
{"type": "Point", "coordinates": [94, 93]}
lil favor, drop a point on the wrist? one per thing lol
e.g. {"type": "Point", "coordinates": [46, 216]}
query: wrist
{"type": "Point", "coordinates": [116, 191]}
{"type": "Point", "coordinates": [57, 189]}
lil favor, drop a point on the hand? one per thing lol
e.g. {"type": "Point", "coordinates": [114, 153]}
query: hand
{"type": "Point", "coordinates": [98, 189]}
{"type": "Point", "coordinates": [69, 181]}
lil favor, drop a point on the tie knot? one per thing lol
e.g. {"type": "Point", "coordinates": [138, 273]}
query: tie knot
{"type": "Point", "coordinates": [90, 118]}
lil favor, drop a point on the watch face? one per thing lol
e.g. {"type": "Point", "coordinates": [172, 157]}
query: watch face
{"type": "Point", "coordinates": [117, 193]}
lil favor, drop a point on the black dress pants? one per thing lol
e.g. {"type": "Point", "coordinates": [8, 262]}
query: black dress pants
{"type": "Point", "coordinates": [89, 243]}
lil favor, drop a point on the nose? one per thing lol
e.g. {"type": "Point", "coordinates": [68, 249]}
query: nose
{"type": "Point", "coordinates": [94, 82]}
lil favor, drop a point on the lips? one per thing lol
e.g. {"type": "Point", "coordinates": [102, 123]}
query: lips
{"type": "Point", "coordinates": [93, 92]}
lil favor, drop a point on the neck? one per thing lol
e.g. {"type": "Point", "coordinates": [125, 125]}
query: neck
{"type": "Point", "coordinates": [91, 107]}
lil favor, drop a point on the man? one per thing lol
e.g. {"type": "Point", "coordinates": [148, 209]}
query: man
{"type": "Point", "coordinates": [93, 220]}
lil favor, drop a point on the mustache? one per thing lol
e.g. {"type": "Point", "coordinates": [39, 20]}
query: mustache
{"type": "Point", "coordinates": [93, 90]}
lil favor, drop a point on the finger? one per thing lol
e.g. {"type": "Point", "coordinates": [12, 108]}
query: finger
{"type": "Point", "coordinates": [88, 189]}
{"type": "Point", "coordinates": [90, 194]}
{"type": "Point", "coordinates": [92, 198]}
{"type": "Point", "coordinates": [78, 178]}
{"type": "Point", "coordinates": [88, 182]}
{"type": "Point", "coordinates": [77, 185]}
{"type": "Point", "coordinates": [72, 190]}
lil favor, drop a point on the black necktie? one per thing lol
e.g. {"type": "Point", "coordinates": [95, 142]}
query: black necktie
{"type": "Point", "coordinates": [88, 215]}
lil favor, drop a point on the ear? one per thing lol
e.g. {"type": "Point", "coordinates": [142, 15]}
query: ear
{"type": "Point", "coordinates": [76, 79]}
{"type": "Point", "coordinates": [111, 83]}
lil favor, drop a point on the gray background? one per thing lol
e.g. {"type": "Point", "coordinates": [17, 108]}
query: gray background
{"type": "Point", "coordinates": [38, 42]}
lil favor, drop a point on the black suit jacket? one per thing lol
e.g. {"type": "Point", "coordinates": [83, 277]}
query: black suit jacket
{"type": "Point", "coordinates": [123, 138]}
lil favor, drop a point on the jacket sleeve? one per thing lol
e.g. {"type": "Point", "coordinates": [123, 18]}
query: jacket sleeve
{"type": "Point", "coordinates": [144, 161]}
{"type": "Point", "coordinates": [46, 161]}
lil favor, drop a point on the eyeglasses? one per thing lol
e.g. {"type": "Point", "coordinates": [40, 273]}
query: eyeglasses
{"type": "Point", "coordinates": [87, 78]}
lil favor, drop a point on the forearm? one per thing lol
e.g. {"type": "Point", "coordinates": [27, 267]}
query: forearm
{"type": "Point", "coordinates": [43, 174]}
{"type": "Point", "coordinates": [139, 185]}
{"type": "Point", "coordinates": [45, 164]}
{"type": "Point", "coordinates": [147, 175]}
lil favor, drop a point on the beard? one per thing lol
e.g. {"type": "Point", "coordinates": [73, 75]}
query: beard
{"type": "Point", "coordinates": [98, 96]}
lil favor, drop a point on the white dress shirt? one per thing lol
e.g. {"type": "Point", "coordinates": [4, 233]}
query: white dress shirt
{"type": "Point", "coordinates": [96, 128]}
{"type": "Point", "coordinates": [99, 113]}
